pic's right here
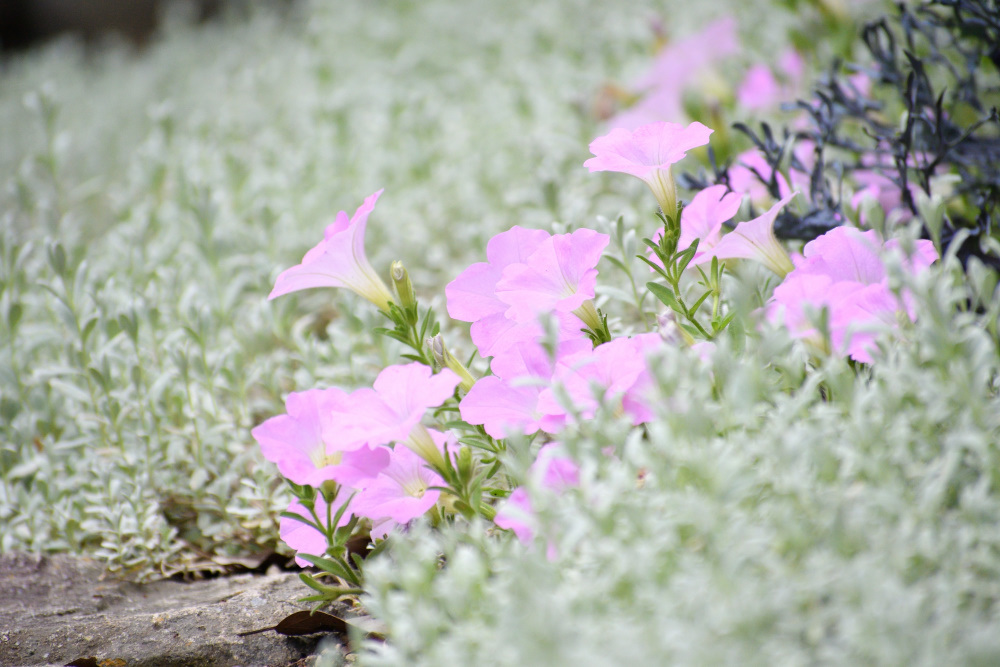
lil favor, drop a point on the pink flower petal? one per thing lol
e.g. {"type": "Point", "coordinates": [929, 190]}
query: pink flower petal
{"type": "Point", "coordinates": [559, 276]}
{"type": "Point", "coordinates": [339, 260]}
{"type": "Point", "coordinates": [755, 240]}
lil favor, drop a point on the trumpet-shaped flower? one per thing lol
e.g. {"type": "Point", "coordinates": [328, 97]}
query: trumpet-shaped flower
{"type": "Point", "coordinates": [556, 472]}
{"type": "Point", "coordinates": [295, 441]}
{"type": "Point", "coordinates": [472, 295]}
{"type": "Point", "coordinates": [702, 220]}
{"type": "Point", "coordinates": [648, 153]}
{"type": "Point", "coordinates": [559, 276]}
{"type": "Point", "coordinates": [843, 271]}
{"type": "Point", "coordinates": [339, 260]}
{"type": "Point", "coordinates": [754, 239]}
{"type": "Point", "coordinates": [507, 402]}
{"type": "Point", "coordinates": [392, 409]}
{"type": "Point", "coordinates": [401, 491]}
{"type": "Point", "coordinates": [304, 538]}
{"type": "Point", "coordinates": [613, 373]}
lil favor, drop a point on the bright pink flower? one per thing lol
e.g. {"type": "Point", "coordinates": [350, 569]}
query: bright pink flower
{"type": "Point", "coordinates": [401, 492]}
{"type": "Point", "coordinates": [306, 539]}
{"type": "Point", "coordinates": [339, 260]}
{"type": "Point", "coordinates": [843, 271]}
{"type": "Point", "coordinates": [648, 153]}
{"type": "Point", "coordinates": [702, 219]}
{"type": "Point", "coordinates": [558, 277]}
{"type": "Point", "coordinates": [754, 239]}
{"type": "Point", "coordinates": [613, 373]}
{"type": "Point", "coordinates": [391, 411]}
{"type": "Point", "coordinates": [295, 442]}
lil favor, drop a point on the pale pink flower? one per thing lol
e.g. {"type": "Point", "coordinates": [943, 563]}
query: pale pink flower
{"type": "Point", "coordinates": [615, 373]}
{"type": "Point", "coordinates": [517, 516]}
{"type": "Point", "coordinates": [304, 538]}
{"type": "Point", "coordinates": [556, 472]}
{"type": "Point", "coordinates": [754, 239]}
{"type": "Point", "coordinates": [679, 67]}
{"type": "Point", "coordinates": [559, 276]}
{"type": "Point", "coordinates": [749, 175]}
{"type": "Point", "coordinates": [762, 90]}
{"type": "Point", "coordinates": [295, 442]}
{"type": "Point", "coordinates": [843, 271]}
{"type": "Point", "coordinates": [402, 490]}
{"type": "Point", "coordinates": [472, 295]}
{"type": "Point", "coordinates": [391, 411]}
{"type": "Point", "coordinates": [702, 219]}
{"type": "Point", "coordinates": [648, 153]}
{"type": "Point", "coordinates": [339, 260]}
{"type": "Point", "coordinates": [507, 402]}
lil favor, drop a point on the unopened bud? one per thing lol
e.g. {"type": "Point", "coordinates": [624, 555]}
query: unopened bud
{"type": "Point", "coordinates": [464, 463]}
{"type": "Point", "coordinates": [402, 284]}
{"type": "Point", "coordinates": [329, 489]}
{"type": "Point", "coordinates": [445, 359]}
{"type": "Point", "coordinates": [670, 331]}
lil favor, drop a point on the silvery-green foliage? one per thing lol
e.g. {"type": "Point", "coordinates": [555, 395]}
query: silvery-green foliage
{"type": "Point", "coordinates": [770, 515]}
{"type": "Point", "coordinates": [147, 203]}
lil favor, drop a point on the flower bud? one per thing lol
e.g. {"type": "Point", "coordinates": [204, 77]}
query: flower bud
{"type": "Point", "coordinates": [402, 284]}
{"type": "Point", "coordinates": [670, 331]}
{"type": "Point", "coordinates": [445, 359]}
{"type": "Point", "coordinates": [464, 463]}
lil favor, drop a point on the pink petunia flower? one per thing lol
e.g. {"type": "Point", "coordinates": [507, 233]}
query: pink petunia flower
{"type": "Point", "coordinates": [702, 219]}
{"type": "Point", "coordinates": [748, 175]}
{"type": "Point", "coordinates": [507, 402]}
{"type": "Point", "coordinates": [304, 538]}
{"type": "Point", "coordinates": [472, 295]}
{"type": "Point", "coordinates": [556, 472]}
{"type": "Point", "coordinates": [392, 409]}
{"type": "Point", "coordinates": [295, 442]}
{"type": "Point", "coordinates": [559, 276]}
{"type": "Point", "coordinates": [339, 260]}
{"type": "Point", "coordinates": [762, 90]}
{"type": "Point", "coordinates": [843, 271]}
{"type": "Point", "coordinates": [402, 491]}
{"type": "Point", "coordinates": [614, 373]}
{"type": "Point", "coordinates": [648, 153]}
{"type": "Point", "coordinates": [754, 239]}
{"type": "Point", "coordinates": [678, 69]}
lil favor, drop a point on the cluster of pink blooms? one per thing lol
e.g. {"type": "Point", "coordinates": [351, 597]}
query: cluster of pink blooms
{"type": "Point", "coordinates": [333, 435]}
{"type": "Point", "coordinates": [685, 64]}
{"type": "Point", "coordinates": [531, 274]}
{"type": "Point", "coordinates": [842, 271]}
{"type": "Point", "coordinates": [530, 306]}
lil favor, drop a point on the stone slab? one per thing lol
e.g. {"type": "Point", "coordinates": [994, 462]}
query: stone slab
{"type": "Point", "coordinates": [57, 609]}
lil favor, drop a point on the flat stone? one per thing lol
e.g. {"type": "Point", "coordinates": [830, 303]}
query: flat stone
{"type": "Point", "coordinates": [57, 609]}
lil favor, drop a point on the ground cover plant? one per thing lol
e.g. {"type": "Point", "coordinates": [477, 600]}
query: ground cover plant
{"type": "Point", "coordinates": [663, 436]}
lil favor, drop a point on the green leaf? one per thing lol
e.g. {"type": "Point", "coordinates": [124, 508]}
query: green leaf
{"type": "Point", "coordinates": [665, 295]}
